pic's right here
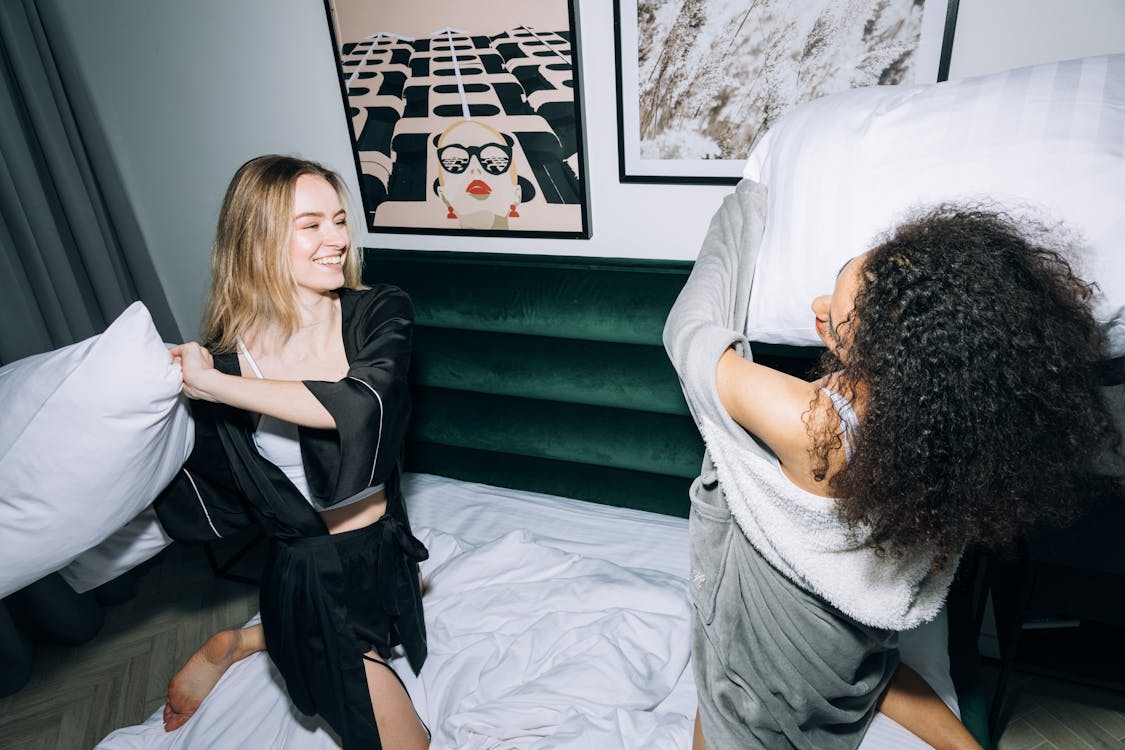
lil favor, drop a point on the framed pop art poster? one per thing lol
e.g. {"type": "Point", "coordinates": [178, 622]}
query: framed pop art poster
{"type": "Point", "coordinates": [465, 117]}
{"type": "Point", "coordinates": [699, 82]}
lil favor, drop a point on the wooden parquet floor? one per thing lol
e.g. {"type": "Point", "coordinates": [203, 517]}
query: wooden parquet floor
{"type": "Point", "coordinates": [78, 694]}
{"type": "Point", "coordinates": [1045, 714]}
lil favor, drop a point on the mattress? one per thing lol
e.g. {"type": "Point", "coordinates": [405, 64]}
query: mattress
{"type": "Point", "coordinates": [553, 624]}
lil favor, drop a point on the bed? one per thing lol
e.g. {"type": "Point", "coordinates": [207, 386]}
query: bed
{"type": "Point", "coordinates": [553, 623]}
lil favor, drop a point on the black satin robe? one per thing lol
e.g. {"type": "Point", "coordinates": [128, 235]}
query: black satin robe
{"type": "Point", "coordinates": [325, 598]}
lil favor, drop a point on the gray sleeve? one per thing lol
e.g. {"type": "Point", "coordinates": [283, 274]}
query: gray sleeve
{"type": "Point", "coordinates": [710, 313]}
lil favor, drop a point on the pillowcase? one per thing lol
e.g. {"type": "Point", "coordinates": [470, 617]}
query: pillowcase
{"type": "Point", "coordinates": [1046, 141]}
{"type": "Point", "coordinates": [134, 543]}
{"type": "Point", "coordinates": [91, 433]}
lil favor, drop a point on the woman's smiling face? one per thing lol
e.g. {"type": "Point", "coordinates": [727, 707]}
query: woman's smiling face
{"type": "Point", "coordinates": [476, 173]}
{"type": "Point", "coordinates": [320, 241]}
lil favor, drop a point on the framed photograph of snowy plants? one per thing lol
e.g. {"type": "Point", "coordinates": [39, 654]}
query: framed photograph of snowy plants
{"type": "Point", "coordinates": [700, 81]}
{"type": "Point", "coordinates": [465, 117]}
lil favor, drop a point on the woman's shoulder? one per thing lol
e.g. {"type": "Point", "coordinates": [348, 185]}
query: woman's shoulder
{"type": "Point", "coordinates": [382, 299]}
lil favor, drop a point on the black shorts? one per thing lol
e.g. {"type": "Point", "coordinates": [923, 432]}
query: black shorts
{"type": "Point", "coordinates": [327, 600]}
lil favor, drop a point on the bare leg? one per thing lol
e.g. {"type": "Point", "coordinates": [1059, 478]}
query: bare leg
{"type": "Point", "coordinates": [697, 737]}
{"type": "Point", "coordinates": [194, 681]}
{"type": "Point", "coordinates": [910, 701]}
{"type": "Point", "coordinates": [398, 722]}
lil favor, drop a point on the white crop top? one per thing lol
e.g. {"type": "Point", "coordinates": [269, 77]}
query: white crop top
{"type": "Point", "coordinates": [279, 443]}
{"type": "Point", "coordinates": [849, 420]}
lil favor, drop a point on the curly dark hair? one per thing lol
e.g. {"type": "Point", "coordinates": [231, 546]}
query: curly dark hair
{"type": "Point", "coordinates": [972, 360]}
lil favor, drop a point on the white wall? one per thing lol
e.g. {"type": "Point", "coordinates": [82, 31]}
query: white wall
{"type": "Point", "coordinates": [187, 91]}
{"type": "Point", "coordinates": [995, 35]}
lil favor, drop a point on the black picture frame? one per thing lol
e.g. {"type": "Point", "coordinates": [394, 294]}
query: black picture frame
{"type": "Point", "coordinates": [475, 80]}
{"type": "Point", "coordinates": [935, 44]}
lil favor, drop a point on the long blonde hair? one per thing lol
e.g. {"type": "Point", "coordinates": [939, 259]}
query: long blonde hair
{"type": "Point", "coordinates": [251, 282]}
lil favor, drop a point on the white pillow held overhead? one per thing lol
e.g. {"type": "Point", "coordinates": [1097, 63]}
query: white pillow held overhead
{"type": "Point", "coordinates": [1046, 140]}
{"type": "Point", "coordinates": [90, 434]}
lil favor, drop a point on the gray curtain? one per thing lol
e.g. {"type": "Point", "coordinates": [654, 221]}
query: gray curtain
{"type": "Point", "coordinates": [72, 256]}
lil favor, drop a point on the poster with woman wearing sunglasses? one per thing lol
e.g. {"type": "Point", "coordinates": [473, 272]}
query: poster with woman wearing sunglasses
{"type": "Point", "coordinates": [477, 180]}
{"type": "Point", "coordinates": [464, 117]}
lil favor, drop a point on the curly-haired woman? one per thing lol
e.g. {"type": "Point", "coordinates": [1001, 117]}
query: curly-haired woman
{"type": "Point", "coordinates": [958, 401]}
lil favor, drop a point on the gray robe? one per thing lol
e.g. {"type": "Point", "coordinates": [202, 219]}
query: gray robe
{"type": "Point", "coordinates": [776, 664]}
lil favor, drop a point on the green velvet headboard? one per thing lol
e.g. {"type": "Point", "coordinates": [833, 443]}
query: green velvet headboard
{"type": "Point", "coordinates": [547, 374]}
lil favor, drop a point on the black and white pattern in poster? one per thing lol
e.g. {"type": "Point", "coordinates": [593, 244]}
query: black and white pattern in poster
{"type": "Point", "coordinates": [465, 117]}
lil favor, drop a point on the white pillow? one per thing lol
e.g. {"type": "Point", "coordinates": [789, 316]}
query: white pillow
{"type": "Point", "coordinates": [1048, 140]}
{"type": "Point", "coordinates": [90, 434]}
{"type": "Point", "coordinates": [124, 549]}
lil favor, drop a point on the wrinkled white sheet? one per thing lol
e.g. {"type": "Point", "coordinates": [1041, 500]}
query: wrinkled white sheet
{"type": "Point", "coordinates": [553, 624]}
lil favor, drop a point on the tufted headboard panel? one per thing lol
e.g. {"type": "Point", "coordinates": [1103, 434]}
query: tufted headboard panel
{"type": "Point", "coordinates": [549, 374]}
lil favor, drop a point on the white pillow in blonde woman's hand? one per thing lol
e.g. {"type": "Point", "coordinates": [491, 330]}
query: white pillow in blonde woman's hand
{"type": "Point", "coordinates": [1046, 140]}
{"type": "Point", "coordinates": [90, 435]}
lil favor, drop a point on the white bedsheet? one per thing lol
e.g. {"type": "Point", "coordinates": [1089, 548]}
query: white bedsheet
{"type": "Point", "coordinates": [553, 624]}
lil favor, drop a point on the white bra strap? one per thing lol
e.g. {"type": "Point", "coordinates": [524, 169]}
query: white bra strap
{"type": "Point", "coordinates": [249, 360]}
{"type": "Point", "coordinates": [849, 420]}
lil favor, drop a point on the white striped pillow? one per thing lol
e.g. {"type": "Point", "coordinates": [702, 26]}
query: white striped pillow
{"type": "Point", "coordinates": [1047, 139]}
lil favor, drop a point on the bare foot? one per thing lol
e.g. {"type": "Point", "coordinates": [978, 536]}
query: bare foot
{"type": "Point", "coordinates": [195, 680]}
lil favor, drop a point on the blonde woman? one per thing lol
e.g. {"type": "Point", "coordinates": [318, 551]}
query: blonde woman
{"type": "Point", "coordinates": [301, 405]}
